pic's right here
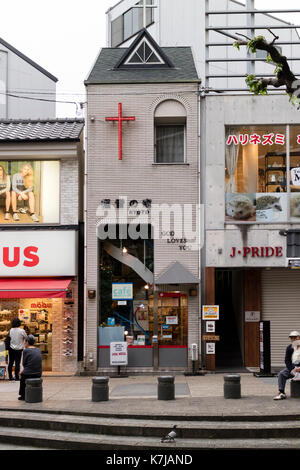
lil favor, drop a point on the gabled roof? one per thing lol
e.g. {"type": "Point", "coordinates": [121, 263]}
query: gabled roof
{"type": "Point", "coordinates": [177, 274]}
{"type": "Point", "coordinates": [50, 130]}
{"type": "Point", "coordinates": [114, 65]}
{"type": "Point", "coordinates": [29, 61]}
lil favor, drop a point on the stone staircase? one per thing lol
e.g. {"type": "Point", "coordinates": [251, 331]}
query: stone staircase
{"type": "Point", "coordinates": [75, 431]}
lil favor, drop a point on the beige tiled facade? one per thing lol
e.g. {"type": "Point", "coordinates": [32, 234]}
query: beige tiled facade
{"type": "Point", "coordinates": [138, 177]}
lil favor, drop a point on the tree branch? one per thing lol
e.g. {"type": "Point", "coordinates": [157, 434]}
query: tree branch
{"type": "Point", "coordinates": [284, 75]}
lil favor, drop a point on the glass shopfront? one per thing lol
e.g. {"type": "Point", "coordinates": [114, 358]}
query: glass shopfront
{"type": "Point", "coordinates": [262, 174]}
{"type": "Point", "coordinates": [127, 310]}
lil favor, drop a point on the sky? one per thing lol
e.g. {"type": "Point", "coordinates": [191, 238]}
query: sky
{"type": "Point", "coordinates": [65, 37]}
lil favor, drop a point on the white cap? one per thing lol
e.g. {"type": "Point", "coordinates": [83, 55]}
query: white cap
{"type": "Point", "coordinates": [294, 334]}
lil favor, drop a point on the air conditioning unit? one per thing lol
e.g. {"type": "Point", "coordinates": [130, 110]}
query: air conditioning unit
{"type": "Point", "coordinates": [293, 263]}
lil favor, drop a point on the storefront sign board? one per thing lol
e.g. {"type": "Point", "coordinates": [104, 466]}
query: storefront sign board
{"type": "Point", "coordinates": [172, 320]}
{"type": "Point", "coordinates": [252, 317]}
{"type": "Point", "coordinates": [295, 173]}
{"type": "Point", "coordinates": [38, 253]}
{"type": "Point", "coordinates": [210, 312]}
{"type": "Point", "coordinates": [211, 338]}
{"type": "Point", "coordinates": [210, 326]}
{"type": "Point", "coordinates": [210, 348]}
{"type": "Point", "coordinates": [118, 354]}
{"type": "Point", "coordinates": [122, 291]}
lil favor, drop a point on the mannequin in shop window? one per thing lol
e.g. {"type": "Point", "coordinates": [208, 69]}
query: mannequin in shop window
{"type": "Point", "coordinates": [31, 364]}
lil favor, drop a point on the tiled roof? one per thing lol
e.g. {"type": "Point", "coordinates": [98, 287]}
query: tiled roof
{"type": "Point", "coordinates": [104, 71]}
{"type": "Point", "coordinates": [43, 130]}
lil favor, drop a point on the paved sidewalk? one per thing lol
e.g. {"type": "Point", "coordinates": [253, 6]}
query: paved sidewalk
{"type": "Point", "coordinates": [197, 396]}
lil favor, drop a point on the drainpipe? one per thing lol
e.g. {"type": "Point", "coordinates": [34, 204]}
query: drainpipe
{"type": "Point", "coordinates": [202, 198]}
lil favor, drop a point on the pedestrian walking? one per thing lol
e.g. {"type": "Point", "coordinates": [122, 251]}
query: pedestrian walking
{"type": "Point", "coordinates": [31, 364]}
{"type": "Point", "coordinates": [16, 347]}
{"type": "Point", "coordinates": [286, 373]}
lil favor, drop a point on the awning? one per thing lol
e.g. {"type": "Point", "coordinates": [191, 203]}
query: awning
{"type": "Point", "coordinates": [42, 287]}
{"type": "Point", "coordinates": [177, 274]}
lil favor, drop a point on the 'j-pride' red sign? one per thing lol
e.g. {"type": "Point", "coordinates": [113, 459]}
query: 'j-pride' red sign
{"type": "Point", "coordinates": [257, 252]}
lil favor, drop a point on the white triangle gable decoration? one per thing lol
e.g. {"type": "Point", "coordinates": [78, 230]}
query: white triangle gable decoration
{"type": "Point", "coordinates": [144, 53]}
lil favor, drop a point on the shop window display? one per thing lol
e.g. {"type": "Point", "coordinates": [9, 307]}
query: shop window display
{"type": "Point", "coordinates": [36, 319]}
{"type": "Point", "coordinates": [124, 262]}
{"type": "Point", "coordinates": [29, 192]}
{"type": "Point", "coordinates": [261, 174]}
{"type": "Point", "coordinates": [172, 318]}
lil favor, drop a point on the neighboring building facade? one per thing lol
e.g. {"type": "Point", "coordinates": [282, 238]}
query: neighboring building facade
{"type": "Point", "coordinates": [178, 22]}
{"type": "Point", "coordinates": [252, 220]}
{"type": "Point", "coordinates": [41, 219]}
{"type": "Point", "coordinates": [142, 288]}
{"type": "Point", "coordinates": [21, 77]}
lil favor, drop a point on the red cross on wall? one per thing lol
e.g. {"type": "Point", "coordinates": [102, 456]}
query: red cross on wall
{"type": "Point", "coordinates": [120, 120]}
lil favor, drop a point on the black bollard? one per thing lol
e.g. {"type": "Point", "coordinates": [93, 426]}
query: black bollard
{"type": "Point", "coordinates": [100, 390]}
{"type": "Point", "coordinates": [295, 388]}
{"type": "Point", "coordinates": [33, 390]}
{"type": "Point", "coordinates": [166, 388]}
{"type": "Point", "coordinates": [232, 386]}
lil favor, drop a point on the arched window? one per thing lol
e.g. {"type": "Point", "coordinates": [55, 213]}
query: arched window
{"type": "Point", "coordinates": [170, 132]}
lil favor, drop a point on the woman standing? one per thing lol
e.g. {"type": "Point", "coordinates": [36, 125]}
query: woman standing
{"type": "Point", "coordinates": [22, 190]}
{"type": "Point", "coordinates": [5, 190]}
{"type": "Point", "coordinates": [32, 364]}
{"type": "Point", "coordinates": [16, 347]}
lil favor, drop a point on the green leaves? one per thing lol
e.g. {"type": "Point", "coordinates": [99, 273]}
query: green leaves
{"type": "Point", "coordinates": [255, 42]}
{"type": "Point", "coordinates": [256, 85]}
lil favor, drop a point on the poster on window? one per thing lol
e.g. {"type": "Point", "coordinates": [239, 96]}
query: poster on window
{"type": "Point", "coordinates": [29, 192]}
{"type": "Point", "coordinates": [271, 207]}
{"type": "Point", "coordinates": [240, 207]}
{"type": "Point", "coordinates": [295, 207]}
{"type": "Point", "coordinates": [141, 319]}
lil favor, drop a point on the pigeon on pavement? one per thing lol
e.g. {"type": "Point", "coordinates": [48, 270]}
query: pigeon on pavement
{"type": "Point", "coordinates": [171, 436]}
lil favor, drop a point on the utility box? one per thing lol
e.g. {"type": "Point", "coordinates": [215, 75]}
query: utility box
{"type": "Point", "coordinates": [194, 352]}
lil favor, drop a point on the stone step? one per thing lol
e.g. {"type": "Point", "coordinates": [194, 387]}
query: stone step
{"type": "Point", "coordinates": [85, 441]}
{"type": "Point", "coordinates": [150, 428]}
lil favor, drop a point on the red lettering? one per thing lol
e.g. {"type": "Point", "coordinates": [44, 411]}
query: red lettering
{"type": "Point", "coordinates": [255, 252]}
{"type": "Point", "coordinates": [6, 261]}
{"type": "Point", "coordinates": [278, 251]}
{"type": "Point", "coordinates": [269, 254]}
{"type": "Point", "coordinates": [262, 252]}
{"type": "Point", "coordinates": [29, 253]}
{"type": "Point", "coordinates": [246, 251]}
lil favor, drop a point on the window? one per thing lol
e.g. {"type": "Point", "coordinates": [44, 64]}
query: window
{"type": "Point", "coordinates": [170, 130]}
{"type": "Point", "coordinates": [29, 192]}
{"type": "Point", "coordinates": [124, 261]}
{"type": "Point", "coordinates": [144, 54]}
{"type": "Point", "coordinates": [262, 174]}
{"type": "Point", "coordinates": [117, 32]}
{"type": "Point", "coordinates": [169, 143]}
{"type": "Point", "coordinates": [129, 23]}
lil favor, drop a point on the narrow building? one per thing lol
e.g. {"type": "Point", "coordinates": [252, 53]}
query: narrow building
{"type": "Point", "coordinates": [142, 224]}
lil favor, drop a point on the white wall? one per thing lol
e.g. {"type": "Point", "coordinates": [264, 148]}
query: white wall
{"type": "Point", "coordinates": [50, 191]}
{"type": "Point", "coordinates": [21, 79]}
{"type": "Point", "coordinates": [3, 83]}
{"type": "Point", "coordinates": [182, 23]}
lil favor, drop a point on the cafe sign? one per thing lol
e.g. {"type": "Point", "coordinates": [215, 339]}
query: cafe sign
{"type": "Point", "coordinates": [122, 291]}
